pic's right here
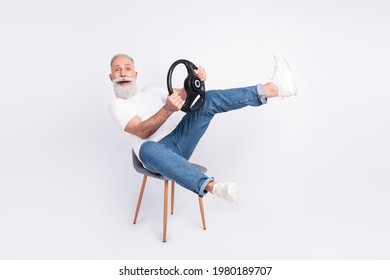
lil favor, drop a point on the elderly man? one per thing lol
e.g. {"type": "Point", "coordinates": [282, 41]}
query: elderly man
{"type": "Point", "coordinates": [163, 146]}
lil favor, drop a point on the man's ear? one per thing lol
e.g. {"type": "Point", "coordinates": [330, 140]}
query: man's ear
{"type": "Point", "coordinates": [110, 77]}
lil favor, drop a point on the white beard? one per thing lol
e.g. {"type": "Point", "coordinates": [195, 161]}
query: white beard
{"type": "Point", "coordinates": [126, 91]}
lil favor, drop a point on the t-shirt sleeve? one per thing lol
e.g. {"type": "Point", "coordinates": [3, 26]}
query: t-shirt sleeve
{"type": "Point", "coordinates": [121, 113]}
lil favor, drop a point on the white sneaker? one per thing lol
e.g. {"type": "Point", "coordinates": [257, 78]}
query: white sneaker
{"type": "Point", "coordinates": [226, 191]}
{"type": "Point", "coordinates": [282, 77]}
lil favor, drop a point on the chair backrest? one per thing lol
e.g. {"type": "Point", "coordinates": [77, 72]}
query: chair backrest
{"type": "Point", "coordinates": [136, 162]}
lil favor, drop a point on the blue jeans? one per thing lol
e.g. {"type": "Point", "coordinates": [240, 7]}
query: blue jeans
{"type": "Point", "coordinates": [170, 155]}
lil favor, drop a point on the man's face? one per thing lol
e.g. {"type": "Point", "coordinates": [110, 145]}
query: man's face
{"type": "Point", "coordinates": [122, 67]}
{"type": "Point", "coordinates": [123, 76]}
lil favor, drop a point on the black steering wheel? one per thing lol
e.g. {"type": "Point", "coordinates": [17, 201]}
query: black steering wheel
{"type": "Point", "coordinates": [193, 86]}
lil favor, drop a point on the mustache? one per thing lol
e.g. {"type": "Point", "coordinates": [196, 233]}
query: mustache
{"type": "Point", "coordinates": [123, 79]}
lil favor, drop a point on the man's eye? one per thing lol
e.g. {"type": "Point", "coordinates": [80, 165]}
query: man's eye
{"type": "Point", "coordinates": [117, 69]}
{"type": "Point", "coordinates": [128, 68]}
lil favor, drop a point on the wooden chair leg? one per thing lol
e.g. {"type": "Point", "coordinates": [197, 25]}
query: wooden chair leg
{"type": "Point", "coordinates": [172, 196]}
{"type": "Point", "coordinates": [165, 218]}
{"type": "Point", "coordinates": [202, 212]}
{"type": "Point", "coordinates": [141, 193]}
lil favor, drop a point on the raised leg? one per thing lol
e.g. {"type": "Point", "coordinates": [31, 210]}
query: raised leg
{"type": "Point", "coordinates": [191, 128]}
{"type": "Point", "coordinates": [141, 193]}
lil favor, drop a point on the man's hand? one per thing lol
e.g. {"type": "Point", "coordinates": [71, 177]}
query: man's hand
{"type": "Point", "coordinates": [201, 73]}
{"type": "Point", "coordinates": [174, 101]}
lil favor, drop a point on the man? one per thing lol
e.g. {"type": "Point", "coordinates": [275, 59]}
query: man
{"type": "Point", "coordinates": [163, 146]}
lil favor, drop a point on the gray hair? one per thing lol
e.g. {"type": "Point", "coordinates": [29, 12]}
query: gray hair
{"type": "Point", "coordinates": [120, 55]}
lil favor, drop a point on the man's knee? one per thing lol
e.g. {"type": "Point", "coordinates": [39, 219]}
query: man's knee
{"type": "Point", "coordinates": [149, 149]}
{"type": "Point", "coordinates": [146, 147]}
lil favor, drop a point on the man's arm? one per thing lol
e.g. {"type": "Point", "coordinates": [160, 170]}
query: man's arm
{"type": "Point", "coordinates": [146, 128]}
{"type": "Point", "coordinates": [175, 101]}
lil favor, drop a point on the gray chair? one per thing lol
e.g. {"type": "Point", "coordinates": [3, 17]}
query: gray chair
{"type": "Point", "coordinates": [140, 169]}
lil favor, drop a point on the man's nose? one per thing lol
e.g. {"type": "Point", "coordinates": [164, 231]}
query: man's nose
{"type": "Point", "coordinates": [123, 74]}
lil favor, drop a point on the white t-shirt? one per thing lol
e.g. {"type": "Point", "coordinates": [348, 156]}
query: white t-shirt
{"type": "Point", "coordinates": [144, 104]}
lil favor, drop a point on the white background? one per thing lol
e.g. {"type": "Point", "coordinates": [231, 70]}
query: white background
{"type": "Point", "coordinates": [313, 169]}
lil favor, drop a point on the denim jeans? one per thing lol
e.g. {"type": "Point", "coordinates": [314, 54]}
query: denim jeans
{"type": "Point", "coordinates": [170, 155]}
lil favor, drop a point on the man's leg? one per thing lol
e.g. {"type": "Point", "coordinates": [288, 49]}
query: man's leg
{"type": "Point", "coordinates": [170, 155]}
{"type": "Point", "coordinates": [165, 160]}
{"type": "Point", "coordinates": [193, 125]}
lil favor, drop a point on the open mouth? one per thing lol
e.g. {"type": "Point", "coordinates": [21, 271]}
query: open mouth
{"type": "Point", "coordinates": [124, 83]}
